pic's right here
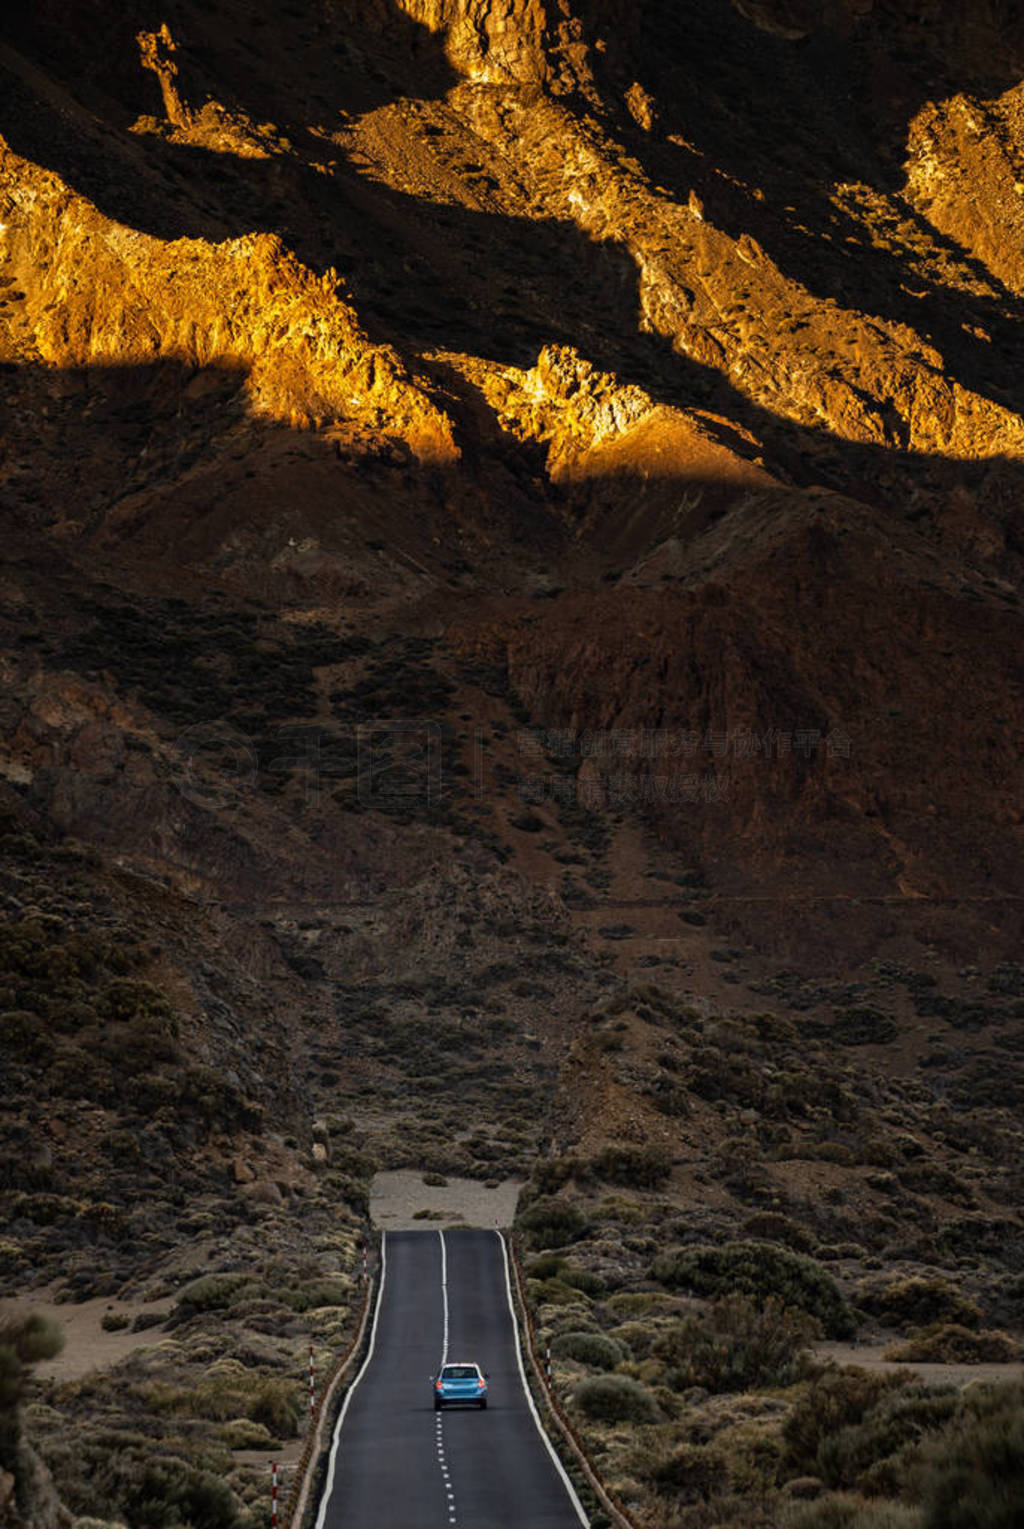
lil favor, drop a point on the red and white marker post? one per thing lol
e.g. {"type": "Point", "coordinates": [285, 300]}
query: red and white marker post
{"type": "Point", "coordinates": [273, 1496]}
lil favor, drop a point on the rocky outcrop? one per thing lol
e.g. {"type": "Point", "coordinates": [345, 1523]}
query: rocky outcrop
{"type": "Point", "coordinates": [246, 306]}
{"type": "Point", "coordinates": [954, 148]}
{"type": "Point", "coordinates": [492, 42]}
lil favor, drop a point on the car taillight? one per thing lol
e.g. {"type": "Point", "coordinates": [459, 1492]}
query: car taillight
{"type": "Point", "coordinates": [438, 1386]}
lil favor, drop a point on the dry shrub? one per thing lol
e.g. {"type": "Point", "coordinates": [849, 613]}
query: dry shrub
{"type": "Point", "coordinates": [951, 1343]}
{"type": "Point", "coordinates": [738, 1345]}
{"type": "Point", "coordinates": [615, 1399]}
{"type": "Point", "coordinates": [975, 1475]}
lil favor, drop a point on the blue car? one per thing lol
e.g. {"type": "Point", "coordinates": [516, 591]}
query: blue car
{"type": "Point", "coordinates": [460, 1384]}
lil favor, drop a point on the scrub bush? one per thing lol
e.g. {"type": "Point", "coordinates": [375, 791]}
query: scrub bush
{"type": "Point", "coordinates": [739, 1345]}
{"type": "Point", "coordinates": [547, 1266]}
{"type": "Point", "coordinates": [920, 1302]}
{"type": "Point", "coordinates": [950, 1343]}
{"type": "Point", "coordinates": [759, 1270]}
{"type": "Point", "coordinates": [595, 1349]}
{"type": "Point", "coordinates": [164, 1496]}
{"type": "Point", "coordinates": [328, 1290]}
{"type": "Point", "coordinates": [976, 1469]}
{"type": "Point", "coordinates": [863, 1026]}
{"type": "Point", "coordinates": [582, 1279]}
{"type": "Point", "coordinates": [835, 1400]}
{"type": "Point", "coordinates": [846, 1511]}
{"type": "Point", "coordinates": [212, 1292]}
{"type": "Point", "coordinates": [690, 1474]}
{"type": "Point", "coordinates": [770, 1226]}
{"type": "Point", "coordinates": [873, 1455]}
{"type": "Point", "coordinates": [22, 1344]}
{"type": "Point", "coordinates": [633, 1167]}
{"type": "Point", "coordinates": [242, 1433]}
{"type": "Point", "coordinates": [615, 1399]}
{"type": "Point", "coordinates": [551, 1222]}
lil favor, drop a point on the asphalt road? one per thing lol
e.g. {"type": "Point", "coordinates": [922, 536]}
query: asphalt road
{"type": "Point", "coordinates": [397, 1464]}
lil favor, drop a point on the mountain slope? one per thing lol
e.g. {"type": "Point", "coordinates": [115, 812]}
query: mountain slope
{"type": "Point", "coordinates": [501, 501]}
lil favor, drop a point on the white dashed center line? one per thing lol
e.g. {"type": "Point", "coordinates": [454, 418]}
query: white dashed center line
{"type": "Point", "coordinates": [439, 1419]}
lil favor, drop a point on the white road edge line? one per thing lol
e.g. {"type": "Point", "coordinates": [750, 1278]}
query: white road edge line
{"type": "Point", "coordinates": [559, 1467]}
{"type": "Point", "coordinates": [444, 1295]}
{"type": "Point", "coordinates": [325, 1495]}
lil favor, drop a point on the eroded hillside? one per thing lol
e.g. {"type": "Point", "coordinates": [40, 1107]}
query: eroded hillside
{"type": "Point", "coordinates": [711, 341]}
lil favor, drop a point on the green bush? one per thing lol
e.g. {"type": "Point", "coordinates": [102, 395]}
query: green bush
{"type": "Point", "coordinates": [615, 1399]}
{"type": "Point", "coordinates": [976, 1469]}
{"type": "Point", "coordinates": [759, 1270]}
{"type": "Point", "coordinates": [595, 1349]}
{"type": "Point", "coordinates": [551, 1222]}
{"type": "Point", "coordinates": [115, 1321]}
{"type": "Point", "coordinates": [633, 1167]}
{"type": "Point", "coordinates": [739, 1345]}
{"type": "Point", "coordinates": [935, 1178]}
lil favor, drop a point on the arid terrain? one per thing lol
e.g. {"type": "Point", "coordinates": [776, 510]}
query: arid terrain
{"type": "Point", "coordinates": [510, 669]}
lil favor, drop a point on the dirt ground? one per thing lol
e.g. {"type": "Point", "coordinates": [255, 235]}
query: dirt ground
{"type": "Point", "coordinates": [397, 1196]}
{"type": "Point", "coordinates": [870, 1357]}
{"type": "Point", "coordinates": [86, 1345]}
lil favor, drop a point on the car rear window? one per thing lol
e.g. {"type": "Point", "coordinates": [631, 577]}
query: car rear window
{"type": "Point", "coordinates": [459, 1372]}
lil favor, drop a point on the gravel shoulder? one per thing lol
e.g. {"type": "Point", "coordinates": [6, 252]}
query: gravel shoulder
{"type": "Point", "coordinates": [400, 1201]}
